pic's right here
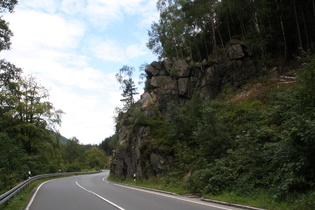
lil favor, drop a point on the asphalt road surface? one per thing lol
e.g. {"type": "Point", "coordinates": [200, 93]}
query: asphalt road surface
{"type": "Point", "coordinates": [93, 192]}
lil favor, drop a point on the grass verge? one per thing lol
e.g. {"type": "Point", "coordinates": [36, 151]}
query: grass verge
{"type": "Point", "coordinates": [20, 201]}
{"type": "Point", "coordinates": [155, 183]}
{"type": "Point", "coordinates": [266, 200]}
{"type": "Point", "coordinates": [259, 199]}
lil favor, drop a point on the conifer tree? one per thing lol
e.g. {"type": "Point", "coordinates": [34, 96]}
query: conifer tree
{"type": "Point", "coordinates": [124, 77]}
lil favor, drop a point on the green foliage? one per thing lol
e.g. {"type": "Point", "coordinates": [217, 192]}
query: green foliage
{"type": "Point", "coordinates": [109, 144]}
{"type": "Point", "coordinates": [13, 167]}
{"type": "Point", "coordinates": [96, 158]}
{"type": "Point", "coordinates": [27, 120]}
{"type": "Point", "coordinates": [173, 72]}
{"type": "Point", "coordinates": [199, 133]}
{"type": "Point", "coordinates": [273, 142]}
{"type": "Point", "coordinates": [260, 145]}
{"type": "Point", "coordinates": [124, 77]}
{"type": "Point", "coordinates": [28, 126]}
{"type": "Point", "coordinates": [307, 87]}
{"type": "Point", "coordinates": [74, 156]}
{"type": "Point", "coordinates": [186, 28]}
{"type": "Point", "coordinates": [147, 85]}
{"type": "Point", "coordinates": [21, 200]}
{"type": "Point", "coordinates": [7, 5]}
{"type": "Point", "coordinates": [213, 178]}
{"type": "Point", "coordinates": [160, 183]}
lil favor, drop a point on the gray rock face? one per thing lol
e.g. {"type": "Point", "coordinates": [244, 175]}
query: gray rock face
{"type": "Point", "coordinates": [176, 81]}
{"type": "Point", "coordinates": [151, 71]}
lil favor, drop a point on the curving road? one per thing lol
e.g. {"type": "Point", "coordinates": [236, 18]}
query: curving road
{"type": "Point", "coordinates": [93, 192]}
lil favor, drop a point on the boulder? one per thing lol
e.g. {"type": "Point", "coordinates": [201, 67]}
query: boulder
{"type": "Point", "coordinates": [235, 52]}
{"type": "Point", "coordinates": [167, 65]}
{"type": "Point", "coordinates": [183, 86]}
{"type": "Point", "coordinates": [157, 65]}
{"type": "Point", "coordinates": [158, 163]}
{"type": "Point", "coordinates": [180, 65]}
{"type": "Point", "coordinates": [151, 71]}
{"type": "Point", "coordinates": [165, 83]}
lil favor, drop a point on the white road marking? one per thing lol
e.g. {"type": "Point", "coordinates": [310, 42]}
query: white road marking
{"type": "Point", "coordinates": [104, 199]}
{"type": "Point", "coordinates": [175, 197]}
{"type": "Point", "coordinates": [105, 180]}
{"type": "Point", "coordinates": [33, 197]}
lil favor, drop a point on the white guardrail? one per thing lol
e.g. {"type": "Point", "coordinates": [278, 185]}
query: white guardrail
{"type": "Point", "coordinates": [11, 193]}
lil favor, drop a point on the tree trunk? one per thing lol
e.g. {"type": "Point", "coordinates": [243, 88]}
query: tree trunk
{"type": "Point", "coordinates": [222, 42]}
{"type": "Point", "coordinates": [228, 26]}
{"type": "Point", "coordinates": [212, 25]}
{"type": "Point", "coordinates": [282, 28]}
{"type": "Point", "coordinates": [205, 41]}
{"type": "Point", "coordinates": [298, 28]}
{"type": "Point", "coordinates": [243, 30]}
{"type": "Point", "coordinates": [305, 30]}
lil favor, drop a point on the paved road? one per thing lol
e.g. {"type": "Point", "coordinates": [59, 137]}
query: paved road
{"type": "Point", "coordinates": [93, 192]}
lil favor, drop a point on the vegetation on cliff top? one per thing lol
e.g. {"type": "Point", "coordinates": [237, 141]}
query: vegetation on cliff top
{"type": "Point", "coordinates": [257, 141]}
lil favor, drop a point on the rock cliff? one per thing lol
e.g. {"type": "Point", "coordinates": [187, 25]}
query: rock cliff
{"type": "Point", "coordinates": [176, 80]}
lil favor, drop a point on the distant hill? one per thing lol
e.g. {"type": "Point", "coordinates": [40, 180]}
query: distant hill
{"type": "Point", "coordinates": [63, 140]}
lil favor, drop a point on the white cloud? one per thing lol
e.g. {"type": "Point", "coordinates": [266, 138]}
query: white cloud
{"type": "Point", "coordinates": [72, 6]}
{"type": "Point", "coordinates": [149, 15]}
{"type": "Point", "coordinates": [133, 51]}
{"type": "Point", "coordinates": [89, 118]}
{"type": "Point", "coordinates": [56, 41]}
{"type": "Point", "coordinates": [109, 51]}
{"type": "Point", "coordinates": [102, 12]}
{"type": "Point", "coordinates": [37, 29]}
{"type": "Point", "coordinates": [105, 12]}
{"type": "Point", "coordinates": [49, 6]}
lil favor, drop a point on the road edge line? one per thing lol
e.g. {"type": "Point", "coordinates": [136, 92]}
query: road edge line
{"type": "Point", "coordinates": [34, 195]}
{"type": "Point", "coordinates": [97, 195]}
{"type": "Point", "coordinates": [174, 194]}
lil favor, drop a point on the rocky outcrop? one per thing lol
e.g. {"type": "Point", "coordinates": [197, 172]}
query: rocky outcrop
{"type": "Point", "coordinates": [176, 80]}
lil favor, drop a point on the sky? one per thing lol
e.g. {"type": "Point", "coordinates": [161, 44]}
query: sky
{"type": "Point", "coordinates": [75, 48]}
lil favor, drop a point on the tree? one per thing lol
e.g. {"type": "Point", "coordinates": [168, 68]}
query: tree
{"type": "Point", "coordinates": [124, 77]}
{"type": "Point", "coordinates": [183, 29]}
{"type": "Point", "coordinates": [109, 144]}
{"type": "Point", "coordinates": [7, 5]}
{"type": "Point", "coordinates": [5, 32]}
{"type": "Point", "coordinates": [212, 21]}
{"type": "Point", "coordinates": [26, 114]}
{"type": "Point", "coordinates": [268, 28]}
{"type": "Point", "coordinates": [13, 167]}
{"type": "Point", "coordinates": [27, 118]}
{"type": "Point", "coordinates": [74, 155]}
{"type": "Point", "coordinates": [96, 158]}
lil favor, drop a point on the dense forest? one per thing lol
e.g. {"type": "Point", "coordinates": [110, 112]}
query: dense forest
{"type": "Point", "coordinates": [29, 136]}
{"type": "Point", "coordinates": [257, 140]}
{"type": "Point", "coordinates": [277, 29]}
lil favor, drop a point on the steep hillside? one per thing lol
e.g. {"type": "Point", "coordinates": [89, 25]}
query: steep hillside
{"type": "Point", "coordinates": [222, 126]}
{"type": "Point", "coordinates": [175, 81]}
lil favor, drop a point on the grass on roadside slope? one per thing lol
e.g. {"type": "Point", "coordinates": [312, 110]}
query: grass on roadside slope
{"type": "Point", "coordinates": [266, 200]}
{"type": "Point", "coordinates": [155, 183]}
{"type": "Point", "coordinates": [259, 199]}
{"type": "Point", "coordinates": [21, 200]}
